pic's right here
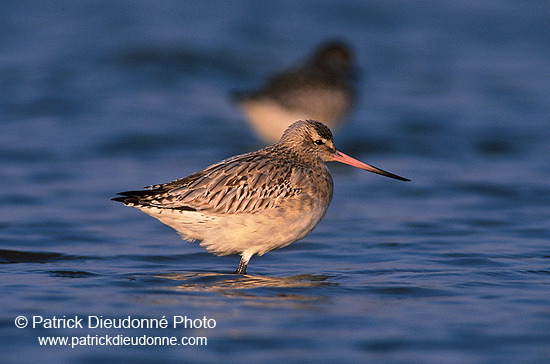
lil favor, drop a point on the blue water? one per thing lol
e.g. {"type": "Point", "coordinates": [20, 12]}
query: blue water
{"type": "Point", "coordinates": [105, 96]}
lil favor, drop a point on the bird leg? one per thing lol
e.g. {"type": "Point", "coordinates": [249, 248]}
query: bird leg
{"type": "Point", "coordinates": [243, 263]}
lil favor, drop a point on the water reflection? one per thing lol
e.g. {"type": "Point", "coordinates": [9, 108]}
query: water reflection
{"type": "Point", "coordinates": [249, 286]}
{"type": "Point", "coordinates": [216, 281]}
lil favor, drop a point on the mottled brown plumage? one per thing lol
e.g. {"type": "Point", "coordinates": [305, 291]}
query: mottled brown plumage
{"type": "Point", "coordinates": [255, 202]}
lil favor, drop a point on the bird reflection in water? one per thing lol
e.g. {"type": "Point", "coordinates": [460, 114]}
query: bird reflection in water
{"type": "Point", "coordinates": [232, 285]}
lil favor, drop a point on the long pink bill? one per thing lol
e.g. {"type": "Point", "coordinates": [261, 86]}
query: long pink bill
{"type": "Point", "coordinates": [343, 158]}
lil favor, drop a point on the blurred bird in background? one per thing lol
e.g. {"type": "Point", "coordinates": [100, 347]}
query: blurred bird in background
{"type": "Point", "coordinates": [321, 89]}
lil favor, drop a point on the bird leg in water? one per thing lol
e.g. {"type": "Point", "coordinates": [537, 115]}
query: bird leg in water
{"type": "Point", "coordinates": [242, 266]}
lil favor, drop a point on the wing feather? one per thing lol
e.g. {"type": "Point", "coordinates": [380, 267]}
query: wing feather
{"type": "Point", "coordinates": [244, 184]}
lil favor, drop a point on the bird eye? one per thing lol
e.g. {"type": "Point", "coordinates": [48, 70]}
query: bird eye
{"type": "Point", "coordinates": [318, 142]}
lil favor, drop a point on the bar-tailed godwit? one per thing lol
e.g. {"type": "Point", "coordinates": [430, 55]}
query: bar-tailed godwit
{"type": "Point", "coordinates": [255, 202]}
{"type": "Point", "coordinates": [321, 89]}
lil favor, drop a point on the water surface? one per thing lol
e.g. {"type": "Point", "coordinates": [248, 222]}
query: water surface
{"type": "Point", "coordinates": [452, 267]}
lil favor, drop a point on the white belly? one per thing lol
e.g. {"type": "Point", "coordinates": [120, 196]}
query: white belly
{"type": "Point", "coordinates": [257, 233]}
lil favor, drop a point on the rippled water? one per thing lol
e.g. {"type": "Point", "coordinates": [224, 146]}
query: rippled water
{"type": "Point", "coordinates": [453, 267]}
